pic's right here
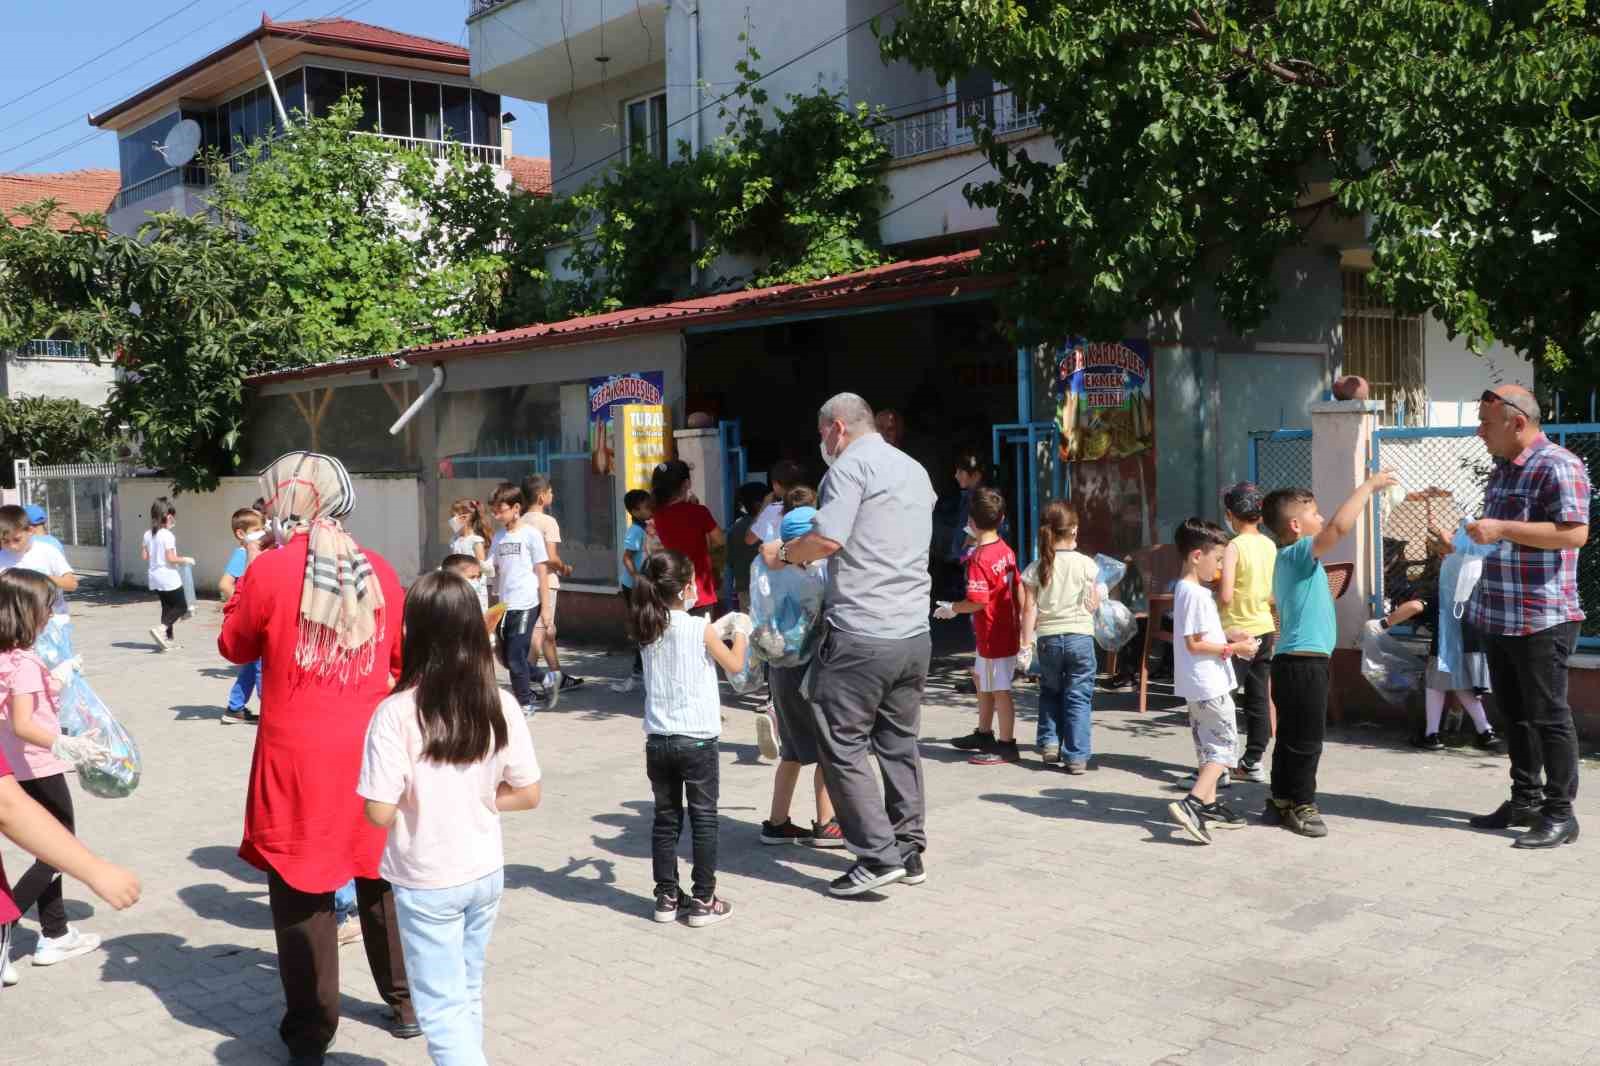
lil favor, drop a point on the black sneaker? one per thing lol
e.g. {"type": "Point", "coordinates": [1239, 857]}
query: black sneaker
{"type": "Point", "coordinates": [1191, 816]}
{"type": "Point", "coordinates": [862, 878]}
{"type": "Point", "coordinates": [1427, 742]}
{"type": "Point", "coordinates": [1003, 751]}
{"type": "Point", "coordinates": [1488, 740]}
{"type": "Point", "coordinates": [1506, 816]}
{"type": "Point", "coordinates": [704, 912]}
{"type": "Point", "coordinates": [916, 873]}
{"type": "Point", "coordinates": [234, 716]}
{"type": "Point", "coordinates": [826, 834]}
{"type": "Point", "coordinates": [977, 740]}
{"type": "Point", "coordinates": [1219, 815]}
{"type": "Point", "coordinates": [570, 681]}
{"type": "Point", "coordinates": [668, 904]}
{"type": "Point", "coordinates": [1273, 813]}
{"type": "Point", "coordinates": [1305, 819]}
{"type": "Point", "coordinates": [787, 833]}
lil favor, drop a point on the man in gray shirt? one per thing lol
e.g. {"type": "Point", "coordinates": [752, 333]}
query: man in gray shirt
{"type": "Point", "coordinates": [874, 524]}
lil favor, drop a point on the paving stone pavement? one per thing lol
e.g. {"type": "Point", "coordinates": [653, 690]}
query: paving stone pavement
{"type": "Point", "coordinates": [1062, 921]}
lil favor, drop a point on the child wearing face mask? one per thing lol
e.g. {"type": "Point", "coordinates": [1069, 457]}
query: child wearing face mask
{"type": "Point", "coordinates": [250, 537]}
{"type": "Point", "coordinates": [470, 536]}
{"type": "Point", "coordinates": [682, 724]}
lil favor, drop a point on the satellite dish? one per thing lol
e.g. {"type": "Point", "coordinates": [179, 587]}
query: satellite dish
{"type": "Point", "coordinates": [182, 143]}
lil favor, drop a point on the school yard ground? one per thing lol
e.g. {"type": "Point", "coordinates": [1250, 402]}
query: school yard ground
{"type": "Point", "coordinates": [1063, 920]}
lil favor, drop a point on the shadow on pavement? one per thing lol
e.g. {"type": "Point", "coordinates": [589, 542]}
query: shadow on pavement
{"type": "Point", "coordinates": [225, 859]}
{"type": "Point", "coordinates": [1117, 808]}
{"type": "Point", "coordinates": [167, 966]}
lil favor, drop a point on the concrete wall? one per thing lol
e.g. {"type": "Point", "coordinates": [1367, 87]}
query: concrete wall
{"type": "Point", "coordinates": [1455, 376]}
{"type": "Point", "coordinates": [387, 519]}
{"type": "Point", "coordinates": [72, 379]}
{"type": "Point", "coordinates": [587, 126]}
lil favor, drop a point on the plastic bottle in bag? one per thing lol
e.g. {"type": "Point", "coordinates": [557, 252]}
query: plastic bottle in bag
{"type": "Point", "coordinates": [785, 605]}
{"type": "Point", "coordinates": [81, 712]}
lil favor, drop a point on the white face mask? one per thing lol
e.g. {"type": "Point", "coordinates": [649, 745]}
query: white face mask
{"type": "Point", "coordinates": [689, 596]}
{"type": "Point", "coordinates": [458, 523]}
{"type": "Point", "coordinates": [972, 531]}
{"type": "Point", "coordinates": [251, 538]}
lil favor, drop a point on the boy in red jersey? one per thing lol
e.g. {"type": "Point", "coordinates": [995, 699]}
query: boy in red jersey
{"type": "Point", "coordinates": [992, 600]}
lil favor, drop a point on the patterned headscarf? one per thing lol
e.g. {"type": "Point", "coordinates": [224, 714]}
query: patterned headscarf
{"type": "Point", "coordinates": [341, 603]}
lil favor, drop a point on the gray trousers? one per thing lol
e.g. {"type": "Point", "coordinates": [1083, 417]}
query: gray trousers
{"type": "Point", "coordinates": [866, 696]}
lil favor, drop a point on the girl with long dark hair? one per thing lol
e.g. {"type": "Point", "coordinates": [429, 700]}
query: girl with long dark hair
{"type": "Point", "coordinates": [445, 753]}
{"type": "Point", "coordinates": [682, 723]}
{"type": "Point", "coordinates": [162, 576]}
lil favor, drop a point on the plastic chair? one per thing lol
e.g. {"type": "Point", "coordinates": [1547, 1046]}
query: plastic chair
{"type": "Point", "coordinates": [1159, 566]}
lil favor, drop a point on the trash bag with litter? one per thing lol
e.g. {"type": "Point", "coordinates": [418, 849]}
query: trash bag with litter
{"type": "Point", "coordinates": [785, 606]}
{"type": "Point", "coordinates": [1114, 624]}
{"type": "Point", "coordinates": [115, 769]}
{"type": "Point", "coordinates": [1388, 665]}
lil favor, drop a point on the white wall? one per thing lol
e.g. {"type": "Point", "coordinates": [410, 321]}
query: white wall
{"type": "Point", "coordinates": [387, 519]}
{"type": "Point", "coordinates": [934, 213]}
{"type": "Point", "coordinates": [73, 379]}
{"type": "Point", "coordinates": [586, 126]}
{"type": "Point", "coordinates": [1455, 377]}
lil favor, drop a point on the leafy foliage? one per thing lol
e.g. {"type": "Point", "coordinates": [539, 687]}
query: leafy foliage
{"type": "Point", "coordinates": [1199, 142]}
{"type": "Point", "coordinates": [51, 429]}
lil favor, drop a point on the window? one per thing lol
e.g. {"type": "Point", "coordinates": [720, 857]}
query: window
{"type": "Point", "coordinates": [323, 88]}
{"type": "Point", "coordinates": [485, 118]}
{"type": "Point", "coordinates": [292, 88]}
{"type": "Point", "coordinates": [457, 112]}
{"type": "Point", "coordinates": [394, 100]}
{"type": "Point", "coordinates": [367, 86]}
{"type": "Point", "coordinates": [425, 120]}
{"type": "Point", "coordinates": [235, 126]}
{"type": "Point", "coordinates": [138, 156]}
{"type": "Point", "coordinates": [266, 114]}
{"type": "Point", "coordinates": [645, 125]}
{"type": "Point", "coordinates": [1385, 348]}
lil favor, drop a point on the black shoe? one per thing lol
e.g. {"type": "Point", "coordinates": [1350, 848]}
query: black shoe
{"type": "Point", "coordinates": [862, 878]}
{"type": "Point", "coordinates": [704, 912]}
{"type": "Point", "coordinates": [1506, 816]}
{"type": "Point", "coordinates": [1488, 740]}
{"type": "Point", "coordinates": [787, 833]}
{"type": "Point", "coordinates": [1189, 814]}
{"type": "Point", "coordinates": [671, 903]}
{"type": "Point", "coordinates": [1550, 833]}
{"type": "Point", "coordinates": [404, 1030]}
{"type": "Point", "coordinates": [977, 740]}
{"type": "Point", "coordinates": [1219, 815]}
{"type": "Point", "coordinates": [307, 1058]}
{"type": "Point", "coordinates": [916, 873]}
{"type": "Point", "coordinates": [1427, 742]}
{"type": "Point", "coordinates": [1003, 751]}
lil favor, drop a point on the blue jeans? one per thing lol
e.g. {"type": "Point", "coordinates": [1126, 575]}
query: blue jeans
{"type": "Point", "coordinates": [344, 902]}
{"type": "Point", "coordinates": [1066, 691]}
{"type": "Point", "coordinates": [244, 686]}
{"type": "Point", "coordinates": [444, 933]}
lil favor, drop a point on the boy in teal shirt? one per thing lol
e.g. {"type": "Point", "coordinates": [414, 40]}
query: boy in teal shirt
{"type": "Point", "coordinates": [1300, 664]}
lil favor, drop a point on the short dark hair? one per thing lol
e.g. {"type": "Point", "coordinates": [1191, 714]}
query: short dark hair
{"type": "Point", "coordinates": [455, 564]}
{"type": "Point", "coordinates": [1198, 534]}
{"type": "Point", "coordinates": [26, 599]}
{"type": "Point", "coordinates": [13, 520]}
{"type": "Point", "coordinates": [785, 472]}
{"type": "Point", "coordinates": [1275, 509]}
{"type": "Point", "coordinates": [534, 486]}
{"type": "Point", "coordinates": [1243, 501]}
{"type": "Point", "coordinates": [509, 495]}
{"type": "Point", "coordinates": [634, 498]}
{"type": "Point", "coordinates": [988, 509]}
{"type": "Point", "coordinates": [752, 494]}
{"type": "Point", "coordinates": [799, 496]}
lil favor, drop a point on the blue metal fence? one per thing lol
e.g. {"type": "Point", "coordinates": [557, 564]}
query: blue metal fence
{"type": "Point", "coordinates": [1032, 438]}
{"type": "Point", "coordinates": [1280, 459]}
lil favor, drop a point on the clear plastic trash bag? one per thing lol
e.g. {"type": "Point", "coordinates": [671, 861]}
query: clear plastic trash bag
{"type": "Point", "coordinates": [785, 606]}
{"type": "Point", "coordinates": [1114, 624]}
{"type": "Point", "coordinates": [187, 573]}
{"type": "Point", "coordinates": [1112, 571]}
{"type": "Point", "coordinates": [1388, 665]}
{"type": "Point", "coordinates": [81, 712]}
{"type": "Point", "coordinates": [751, 676]}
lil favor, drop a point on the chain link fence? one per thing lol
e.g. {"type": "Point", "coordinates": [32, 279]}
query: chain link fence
{"type": "Point", "coordinates": [1584, 442]}
{"type": "Point", "coordinates": [1280, 459]}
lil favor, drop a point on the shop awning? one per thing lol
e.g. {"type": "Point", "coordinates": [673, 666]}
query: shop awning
{"type": "Point", "coordinates": [940, 278]}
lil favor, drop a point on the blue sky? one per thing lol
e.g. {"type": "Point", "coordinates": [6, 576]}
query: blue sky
{"type": "Point", "coordinates": [45, 40]}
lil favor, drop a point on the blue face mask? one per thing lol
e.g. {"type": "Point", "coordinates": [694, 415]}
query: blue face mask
{"type": "Point", "coordinates": [1471, 572]}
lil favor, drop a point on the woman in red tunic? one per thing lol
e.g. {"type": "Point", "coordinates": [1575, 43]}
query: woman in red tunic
{"type": "Point", "coordinates": [688, 528]}
{"type": "Point", "coordinates": [323, 617]}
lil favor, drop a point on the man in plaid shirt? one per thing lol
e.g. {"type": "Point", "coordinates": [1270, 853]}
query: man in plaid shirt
{"type": "Point", "coordinates": [1536, 507]}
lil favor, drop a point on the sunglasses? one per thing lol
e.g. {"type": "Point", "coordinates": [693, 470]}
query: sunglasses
{"type": "Point", "coordinates": [1490, 396]}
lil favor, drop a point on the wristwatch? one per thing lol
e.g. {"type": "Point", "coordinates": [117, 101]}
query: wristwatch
{"type": "Point", "coordinates": [783, 552]}
{"type": "Point", "coordinates": [1383, 623]}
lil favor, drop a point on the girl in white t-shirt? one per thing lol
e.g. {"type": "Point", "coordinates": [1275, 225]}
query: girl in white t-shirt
{"type": "Point", "coordinates": [470, 534]}
{"type": "Point", "coordinates": [445, 754]}
{"type": "Point", "coordinates": [161, 553]}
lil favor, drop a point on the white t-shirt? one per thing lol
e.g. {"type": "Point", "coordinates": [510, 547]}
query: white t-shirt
{"type": "Point", "coordinates": [769, 523]}
{"type": "Point", "coordinates": [516, 553]}
{"type": "Point", "coordinates": [1197, 677]}
{"type": "Point", "coordinates": [41, 558]}
{"type": "Point", "coordinates": [447, 832]}
{"type": "Point", "coordinates": [162, 576]}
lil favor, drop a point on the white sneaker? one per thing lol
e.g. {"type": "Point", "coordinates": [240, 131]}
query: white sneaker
{"type": "Point", "coordinates": [627, 684]}
{"type": "Point", "coordinates": [767, 733]}
{"type": "Point", "coordinates": [162, 643]}
{"type": "Point", "coordinates": [48, 952]}
{"type": "Point", "coordinates": [1225, 781]}
{"type": "Point", "coordinates": [552, 689]}
{"type": "Point", "coordinates": [8, 974]}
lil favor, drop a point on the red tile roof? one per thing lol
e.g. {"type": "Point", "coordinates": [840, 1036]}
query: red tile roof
{"type": "Point", "coordinates": [530, 174]}
{"type": "Point", "coordinates": [945, 277]}
{"type": "Point", "coordinates": [328, 32]}
{"type": "Point", "coordinates": [76, 190]}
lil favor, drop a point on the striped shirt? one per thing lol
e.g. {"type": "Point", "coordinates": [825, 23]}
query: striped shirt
{"type": "Point", "coordinates": [680, 682]}
{"type": "Point", "coordinates": [1527, 590]}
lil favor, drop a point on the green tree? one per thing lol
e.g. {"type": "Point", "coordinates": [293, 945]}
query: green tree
{"type": "Point", "coordinates": [1198, 142]}
{"type": "Point", "coordinates": [52, 429]}
{"type": "Point", "coordinates": [372, 245]}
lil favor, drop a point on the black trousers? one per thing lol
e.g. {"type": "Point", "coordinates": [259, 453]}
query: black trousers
{"type": "Point", "coordinates": [1529, 675]}
{"type": "Point", "coordinates": [638, 655]}
{"type": "Point", "coordinates": [308, 958]}
{"type": "Point", "coordinates": [684, 768]}
{"type": "Point", "coordinates": [1300, 689]}
{"type": "Point", "coordinates": [40, 884]}
{"type": "Point", "coordinates": [173, 607]}
{"type": "Point", "coordinates": [1257, 673]}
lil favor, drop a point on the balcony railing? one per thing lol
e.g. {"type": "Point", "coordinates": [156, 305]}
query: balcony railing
{"type": "Point", "coordinates": [197, 175]}
{"type": "Point", "coordinates": [482, 7]}
{"type": "Point", "coordinates": [951, 125]}
{"type": "Point", "coordinates": [50, 349]}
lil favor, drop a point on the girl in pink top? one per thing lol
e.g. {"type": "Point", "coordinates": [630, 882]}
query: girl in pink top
{"type": "Point", "coordinates": [444, 755]}
{"type": "Point", "coordinates": [39, 755]}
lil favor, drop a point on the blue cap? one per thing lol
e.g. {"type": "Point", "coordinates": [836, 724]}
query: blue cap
{"type": "Point", "coordinates": [797, 523]}
{"type": "Point", "coordinates": [36, 514]}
